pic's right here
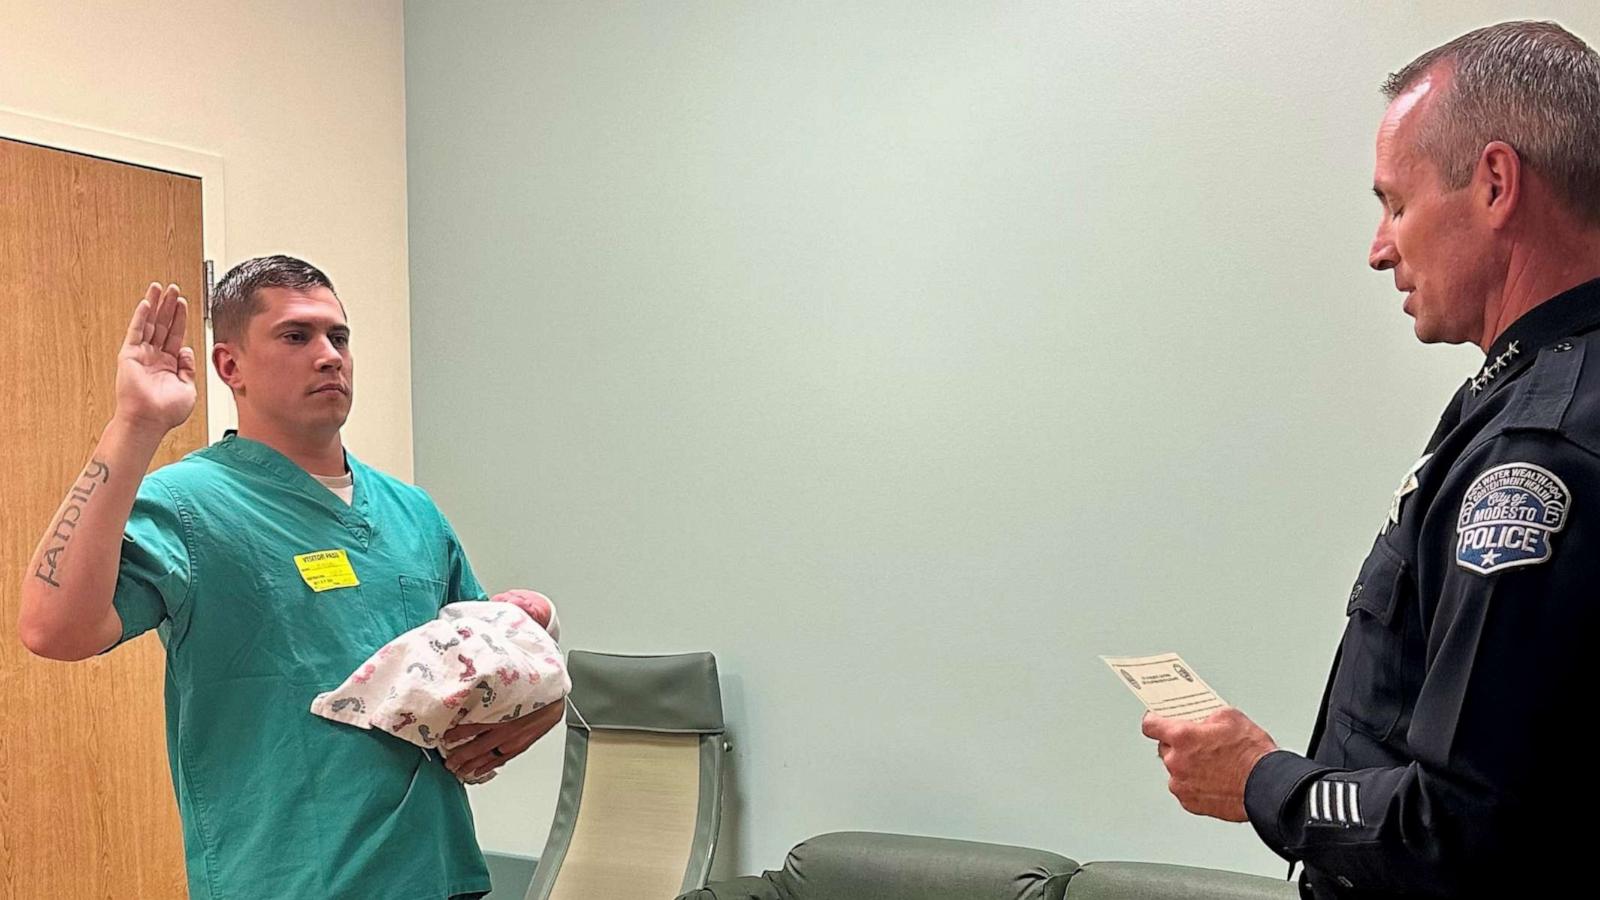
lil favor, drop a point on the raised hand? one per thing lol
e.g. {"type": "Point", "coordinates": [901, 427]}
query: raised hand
{"type": "Point", "coordinates": [155, 371]}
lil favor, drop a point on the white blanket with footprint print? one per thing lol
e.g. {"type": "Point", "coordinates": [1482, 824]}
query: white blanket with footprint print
{"type": "Point", "coordinates": [478, 663]}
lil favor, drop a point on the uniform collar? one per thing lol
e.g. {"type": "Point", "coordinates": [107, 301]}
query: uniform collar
{"type": "Point", "coordinates": [291, 474]}
{"type": "Point", "coordinates": [1569, 313]}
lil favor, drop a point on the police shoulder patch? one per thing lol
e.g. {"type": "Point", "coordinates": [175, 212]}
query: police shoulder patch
{"type": "Point", "coordinates": [1508, 517]}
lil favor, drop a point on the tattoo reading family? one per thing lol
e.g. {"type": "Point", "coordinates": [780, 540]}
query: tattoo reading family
{"type": "Point", "coordinates": [96, 474]}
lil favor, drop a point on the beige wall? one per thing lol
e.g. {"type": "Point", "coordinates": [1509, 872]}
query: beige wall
{"type": "Point", "coordinates": [304, 102]}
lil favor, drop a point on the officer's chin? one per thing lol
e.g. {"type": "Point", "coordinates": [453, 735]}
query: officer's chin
{"type": "Point", "coordinates": [1434, 336]}
{"type": "Point", "coordinates": [1429, 332]}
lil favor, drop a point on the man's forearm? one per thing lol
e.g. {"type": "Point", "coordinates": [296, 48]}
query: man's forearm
{"type": "Point", "coordinates": [67, 588]}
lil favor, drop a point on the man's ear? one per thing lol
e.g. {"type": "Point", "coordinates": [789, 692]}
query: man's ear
{"type": "Point", "coordinates": [1499, 176]}
{"type": "Point", "coordinates": [225, 362]}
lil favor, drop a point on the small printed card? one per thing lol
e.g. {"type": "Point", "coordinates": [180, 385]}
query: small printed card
{"type": "Point", "coordinates": [1167, 685]}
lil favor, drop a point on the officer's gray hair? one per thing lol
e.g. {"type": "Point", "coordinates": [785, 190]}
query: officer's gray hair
{"type": "Point", "coordinates": [237, 298]}
{"type": "Point", "coordinates": [1533, 85]}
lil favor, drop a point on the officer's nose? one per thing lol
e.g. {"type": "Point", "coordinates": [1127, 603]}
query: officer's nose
{"type": "Point", "coordinates": [1382, 255]}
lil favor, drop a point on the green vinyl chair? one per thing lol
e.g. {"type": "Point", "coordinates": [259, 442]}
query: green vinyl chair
{"type": "Point", "coordinates": [641, 787]}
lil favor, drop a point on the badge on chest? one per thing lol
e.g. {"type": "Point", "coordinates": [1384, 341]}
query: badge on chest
{"type": "Point", "coordinates": [1408, 484]}
{"type": "Point", "coordinates": [326, 570]}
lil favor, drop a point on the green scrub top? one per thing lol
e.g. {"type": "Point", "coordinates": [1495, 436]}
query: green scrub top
{"type": "Point", "coordinates": [277, 802]}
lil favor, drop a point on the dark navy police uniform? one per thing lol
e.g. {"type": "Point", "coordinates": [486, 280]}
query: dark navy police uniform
{"type": "Point", "coordinates": [1448, 757]}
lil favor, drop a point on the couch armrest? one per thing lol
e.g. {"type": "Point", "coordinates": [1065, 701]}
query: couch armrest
{"type": "Point", "coordinates": [907, 867]}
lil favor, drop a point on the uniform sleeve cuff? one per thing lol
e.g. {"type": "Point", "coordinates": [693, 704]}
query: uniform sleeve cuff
{"type": "Point", "coordinates": [1272, 784]}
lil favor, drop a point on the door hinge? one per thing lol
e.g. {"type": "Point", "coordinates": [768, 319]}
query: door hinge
{"type": "Point", "coordinates": [211, 287]}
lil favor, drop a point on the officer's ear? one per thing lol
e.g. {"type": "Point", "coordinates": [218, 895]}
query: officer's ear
{"type": "Point", "coordinates": [1498, 183]}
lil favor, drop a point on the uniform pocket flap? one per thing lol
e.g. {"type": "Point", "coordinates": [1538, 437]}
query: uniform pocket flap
{"type": "Point", "coordinates": [1378, 588]}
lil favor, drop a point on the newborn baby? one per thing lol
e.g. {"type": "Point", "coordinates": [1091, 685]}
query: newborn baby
{"type": "Point", "coordinates": [479, 662]}
{"type": "Point", "coordinates": [536, 605]}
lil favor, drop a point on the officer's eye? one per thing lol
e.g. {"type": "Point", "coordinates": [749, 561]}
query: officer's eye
{"type": "Point", "coordinates": [294, 336]}
{"type": "Point", "coordinates": [339, 340]}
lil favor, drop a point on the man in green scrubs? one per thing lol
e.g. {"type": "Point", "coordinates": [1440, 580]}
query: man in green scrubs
{"type": "Point", "coordinates": [271, 564]}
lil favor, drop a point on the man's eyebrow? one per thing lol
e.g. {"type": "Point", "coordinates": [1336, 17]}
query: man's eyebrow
{"type": "Point", "coordinates": [307, 325]}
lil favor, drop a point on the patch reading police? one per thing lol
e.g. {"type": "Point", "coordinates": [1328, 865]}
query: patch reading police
{"type": "Point", "coordinates": [1508, 517]}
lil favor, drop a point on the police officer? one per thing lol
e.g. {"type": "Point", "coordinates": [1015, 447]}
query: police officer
{"type": "Point", "coordinates": [1444, 761]}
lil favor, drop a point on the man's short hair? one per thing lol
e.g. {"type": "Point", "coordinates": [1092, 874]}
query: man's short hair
{"type": "Point", "coordinates": [1533, 85]}
{"type": "Point", "coordinates": [237, 297]}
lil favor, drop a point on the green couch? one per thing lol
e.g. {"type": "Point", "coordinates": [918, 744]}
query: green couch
{"type": "Point", "coordinates": [868, 866]}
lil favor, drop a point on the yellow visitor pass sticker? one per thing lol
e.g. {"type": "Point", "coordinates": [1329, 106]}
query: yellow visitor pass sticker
{"type": "Point", "coordinates": [326, 570]}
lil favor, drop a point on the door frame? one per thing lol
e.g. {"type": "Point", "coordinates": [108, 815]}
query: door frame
{"type": "Point", "coordinates": [179, 160]}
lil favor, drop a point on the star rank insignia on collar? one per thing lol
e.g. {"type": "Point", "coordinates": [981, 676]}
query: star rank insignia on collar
{"type": "Point", "coordinates": [1492, 369]}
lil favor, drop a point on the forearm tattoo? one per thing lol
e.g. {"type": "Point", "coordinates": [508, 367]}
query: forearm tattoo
{"type": "Point", "coordinates": [96, 474]}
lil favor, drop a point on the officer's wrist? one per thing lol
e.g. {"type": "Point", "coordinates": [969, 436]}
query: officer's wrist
{"type": "Point", "coordinates": [1274, 782]}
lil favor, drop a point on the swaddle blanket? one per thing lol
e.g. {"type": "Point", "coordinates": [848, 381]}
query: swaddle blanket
{"type": "Point", "coordinates": [478, 662]}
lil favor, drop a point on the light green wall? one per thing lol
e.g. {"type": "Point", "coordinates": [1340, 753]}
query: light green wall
{"type": "Point", "coordinates": [909, 356]}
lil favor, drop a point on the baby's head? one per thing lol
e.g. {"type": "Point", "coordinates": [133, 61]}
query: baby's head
{"type": "Point", "coordinates": [533, 603]}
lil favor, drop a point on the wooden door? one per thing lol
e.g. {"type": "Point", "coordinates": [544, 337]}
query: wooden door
{"type": "Point", "coordinates": [86, 798]}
